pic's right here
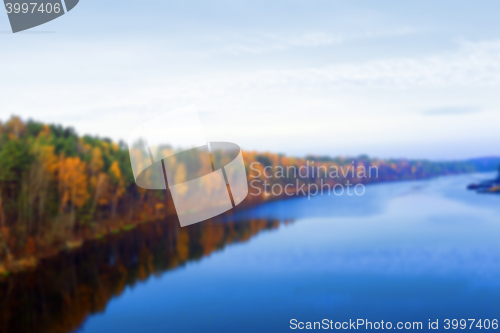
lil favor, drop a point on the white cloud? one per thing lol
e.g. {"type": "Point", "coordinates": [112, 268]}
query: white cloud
{"type": "Point", "coordinates": [375, 103]}
{"type": "Point", "coordinates": [266, 43]}
{"type": "Point", "coordinates": [258, 43]}
{"type": "Point", "coordinates": [473, 63]}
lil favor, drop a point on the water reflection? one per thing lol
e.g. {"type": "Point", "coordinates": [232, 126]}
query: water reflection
{"type": "Point", "coordinates": [408, 251]}
{"type": "Point", "coordinates": [62, 292]}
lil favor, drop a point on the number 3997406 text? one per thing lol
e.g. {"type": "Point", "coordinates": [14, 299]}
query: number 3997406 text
{"type": "Point", "coordinates": [32, 7]}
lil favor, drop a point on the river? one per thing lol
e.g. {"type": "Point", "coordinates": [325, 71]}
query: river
{"type": "Point", "coordinates": [404, 252]}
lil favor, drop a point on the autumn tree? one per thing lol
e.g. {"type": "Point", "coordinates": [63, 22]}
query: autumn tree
{"type": "Point", "coordinates": [117, 187]}
{"type": "Point", "coordinates": [73, 185]}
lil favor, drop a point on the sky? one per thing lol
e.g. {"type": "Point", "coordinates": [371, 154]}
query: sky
{"type": "Point", "coordinates": [413, 79]}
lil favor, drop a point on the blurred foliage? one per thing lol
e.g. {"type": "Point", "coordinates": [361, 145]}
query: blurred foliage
{"type": "Point", "coordinates": [58, 189]}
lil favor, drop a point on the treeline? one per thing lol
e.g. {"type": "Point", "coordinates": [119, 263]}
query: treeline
{"type": "Point", "coordinates": [58, 189]}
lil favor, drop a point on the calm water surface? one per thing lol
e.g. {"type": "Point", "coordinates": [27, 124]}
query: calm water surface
{"type": "Point", "coordinates": [409, 251]}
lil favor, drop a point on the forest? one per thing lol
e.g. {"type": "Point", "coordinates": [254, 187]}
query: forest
{"type": "Point", "coordinates": [59, 189]}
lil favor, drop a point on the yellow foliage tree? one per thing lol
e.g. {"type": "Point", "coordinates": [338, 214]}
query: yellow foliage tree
{"type": "Point", "coordinates": [118, 187]}
{"type": "Point", "coordinates": [73, 183]}
{"type": "Point", "coordinates": [96, 162]}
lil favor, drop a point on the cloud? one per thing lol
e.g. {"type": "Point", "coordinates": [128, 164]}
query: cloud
{"type": "Point", "coordinates": [470, 64]}
{"type": "Point", "coordinates": [273, 42]}
{"type": "Point", "coordinates": [120, 83]}
{"type": "Point", "coordinates": [452, 110]}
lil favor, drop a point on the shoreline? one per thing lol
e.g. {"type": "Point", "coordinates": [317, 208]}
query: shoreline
{"type": "Point", "coordinates": [25, 263]}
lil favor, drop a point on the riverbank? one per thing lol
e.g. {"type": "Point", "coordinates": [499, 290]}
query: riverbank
{"type": "Point", "coordinates": [487, 186]}
{"type": "Point", "coordinates": [120, 226]}
{"type": "Point", "coordinates": [59, 190]}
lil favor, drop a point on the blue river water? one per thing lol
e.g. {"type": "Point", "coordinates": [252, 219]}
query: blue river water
{"type": "Point", "coordinates": [403, 252]}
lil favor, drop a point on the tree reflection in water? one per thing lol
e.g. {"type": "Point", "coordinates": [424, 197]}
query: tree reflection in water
{"type": "Point", "coordinates": [60, 294]}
